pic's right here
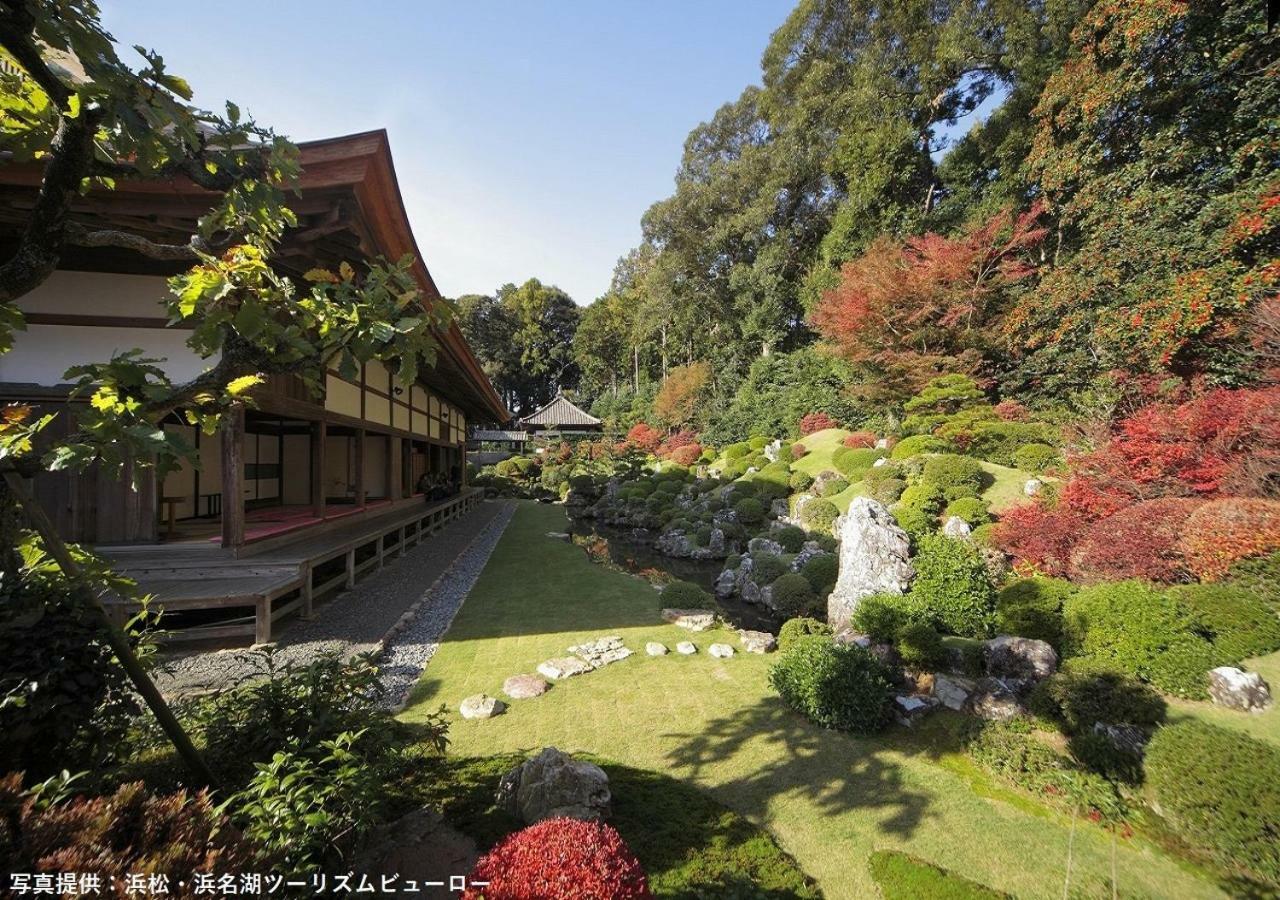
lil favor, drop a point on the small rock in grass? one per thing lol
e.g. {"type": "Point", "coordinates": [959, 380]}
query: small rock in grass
{"type": "Point", "coordinates": [558, 535]}
{"type": "Point", "coordinates": [692, 619]}
{"type": "Point", "coordinates": [757, 641]}
{"type": "Point", "coordinates": [1032, 487]}
{"type": "Point", "coordinates": [1236, 689]}
{"type": "Point", "coordinates": [522, 687]}
{"type": "Point", "coordinates": [653, 648]}
{"type": "Point", "coordinates": [686, 647]}
{"type": "Point", "coordinates": [601, 651]}
{"type": "Point", "coordinates": [564, 667]}
{"type": "Point", "coordinates": [481, 706]}
{"type": "Point", "coordinates": [720, 651]}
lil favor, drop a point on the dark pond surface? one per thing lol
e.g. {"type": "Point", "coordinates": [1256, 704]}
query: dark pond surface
{"type": "Point", "coordinates": [634, 554]}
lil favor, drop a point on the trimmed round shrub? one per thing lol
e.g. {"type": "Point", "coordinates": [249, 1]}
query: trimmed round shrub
{"type": "Point", "coordinates": [920, 647]}
{"type": "Point", "coordinates": [821, 573]}
{"type": "Point", "coordinates": [999, 441]}
{"type": "Point", "coordinates": [1084, 693]}
{"type": "Point", "coordinates": [972, 510]}
{"type": "Point", "coordinates": [793, 596]}
{"type": "Point", "coordinates": [918, 507]}
{"type": "Point", "coordinates": [951, 589]}
{"type": "Point", "coordinates": [817, 421]}
{"type": "Point", "coordinates": [758, 442]}
{"type": "Point", "coordinates": [1239, 624]}
{"type": "Point", "coordinates": [852, 463]}
{"type": "Point", "coordinates": [1219, 791]}
{"type": "Point", "coordinates": [767, 568]}
{"type": "Point", "coordinates": [1260, 576]}
{"type": "Point", "coordinates": [833, 487]}
{"type": "Point", "coordinates": [1036, 457]}
{"type": "Point", "coordinates": [737, 451]}
{"type": "Point", "coordinates": [1032, 608]}
{"type": "Point", "coordinates": [860, 439]}
{"type": "Point", "coordinates": [917, 444]}
{"type": "Point", "coordinates": [1142, 631]}
{"type": "Point", "coordinates": [957, 476]}
{"type": "Point", "coordinates": [1222, 532]}
{"type": "Point", "coordinates": [819, 515]}
{"type": "Point", "coordinates": [687, 455]}
{"type": "Point", "coordinates": [800, 481]}
{"type": "Point", "coordinates": [1138, 542]}
{"type": "Point", "coordinates": [877, 474]}
{"type": "Point", "coordinates": [839, 686]}
{"type": "Point", "coordinates": [802, 626]}
{"type": "Point", "coordinates": [791, 537]}
{"type": "Point", "coordinates": [750, 511]}
{"type": "Point", "coordinates": [887, 491]}
{"type": "Point", "coordinates": [798, 451]}
{"type": "Point", "coordinates": [514, 467]}
{"type": "Point", "coordinates": [684, 595]}
{"type": "Point", "coordinates": [882, 616]}
{"type": "Point", "coordinates": [559, 857]}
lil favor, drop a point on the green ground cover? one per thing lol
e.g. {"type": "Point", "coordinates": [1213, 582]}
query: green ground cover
{"type": "Point", "coordinates": [831, 800]}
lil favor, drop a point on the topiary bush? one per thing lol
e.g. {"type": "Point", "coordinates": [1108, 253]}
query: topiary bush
{"type": "Point", "coordinates": [1084, 693]}
{"type": "Point", "coordinates": [819, 515]}
{"type": "Point", "coordinates": [559, 857]}
{"type": "Point", "coordinates": [793, 596]}
{"type": "Point", "coordinates": [802, 626]}
{"type": "Point", "coordinates": [821, 573]}
{"type": "Point", "coordinates": [918, 507]}
{"type": "Point", "coordinates": [854, 463]}
{"type": "Point", "coordinates": [1260, 576]}
{"type": "Point", "coordinates": [951, 589]}
{"type": "Point", "coordinates": [791, 537]}
{"type": "Point", "coordinates": [920, 647]}
{"type": "Point", "coordinates": [1222, 532]}
{"type": "Point", "coordinates": [972, 510]}
{"type": "Point", "coordinates": [839, 686]}
{"type": "Point", "coordinates": [860, 439]}
{"type": "Point", "coordinates": [1032, 608]}
{"type": "Point", "coordinates": [684, 595]}
{"type": "Point", "coordinates": [917, 444]}
{"type": "Point", "coordinates": [737, 451]}
{"type": "Point", "coordinates": [800, 481]}
{"type": "Point", "coordinates": [833, 487]}
{"type": "Point", "coordinates": [998, 441]}
{"type": "Point", "coordinates": [887, 491]}
{"type": "Point", "coordinates": [1142, 631]}
{"type": "Point", "coordinates": [1239, 624]}
{"type": "Point", "coordinates": [750, 511]}
{"type": "Point", "coordinates": [957, 476]}
{"type": "Point", "coordinates": [882, 616]}
{"type": "Point", "coordinates": [1219, 792]}
{"type": "Point", "coordinates": [1036, 457]}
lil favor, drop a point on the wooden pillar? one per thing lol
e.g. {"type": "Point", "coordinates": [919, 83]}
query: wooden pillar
{"type": "Point", "coordinates": [308, 592]}
{"type": "Point", "coordinates": [360, 485]}
{"type": "Point", "coordinates": [393, 475]}
{"type": "Point", "coordinates": [319, 437]}
{"type": "Point", "coordinates": [233, 477]}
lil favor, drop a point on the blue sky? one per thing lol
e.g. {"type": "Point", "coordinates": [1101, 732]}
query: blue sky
{"type": "Point", "coordinates": [528, 137]}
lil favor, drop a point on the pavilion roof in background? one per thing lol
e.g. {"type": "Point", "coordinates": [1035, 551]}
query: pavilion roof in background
{"type": "Point", "coordinates": [560, 412]}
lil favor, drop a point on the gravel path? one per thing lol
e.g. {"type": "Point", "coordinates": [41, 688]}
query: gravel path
{"type": "Point", "coordinates": [354, 621]}
{"type": "Point", "coordinates": [407, 653]}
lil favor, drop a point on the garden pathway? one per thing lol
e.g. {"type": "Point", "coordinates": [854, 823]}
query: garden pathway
{"type": "Point", "coordinates": [361, 619]}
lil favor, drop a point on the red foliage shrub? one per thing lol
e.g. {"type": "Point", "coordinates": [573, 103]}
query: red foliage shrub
{"type": "Point", "coordinates": [1012, 411]}
{"type": "Point", "coordinates": [817, 421]}
{"type": "Point", "coordinates": [860, 439]}
{"type": "Point", "coordinates": [119, 834]}
{"type": "Point", "coordinates": [1224, 531]}
{"type": "Point", "coordinates": [560, 859]}
{"type": "Point", "coordinates": [675, 441]}
{"type": "Point", "coordinates": [687, 455]}
{"type": "Point", "coordinates": [798, 451]}
{"type": "Point", "coordinates": [1039, 536]}
{"type": "Point", "coordinates": [1138, 542]}
{"type": "Point", "coordinates": [644, 437]}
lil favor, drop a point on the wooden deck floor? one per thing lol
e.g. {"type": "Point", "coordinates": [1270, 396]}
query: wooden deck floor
{"type": "Point", "coordinates": [277, 578]}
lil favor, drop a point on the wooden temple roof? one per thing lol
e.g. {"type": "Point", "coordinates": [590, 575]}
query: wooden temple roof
{"type": "Point", "coordinates": [561, 413]}
{"type": "Point", "coordinates": [349, 208]}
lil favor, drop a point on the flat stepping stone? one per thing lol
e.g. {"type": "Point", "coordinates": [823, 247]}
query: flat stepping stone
{"type": "Point", "coordinates": [692, 619]}
{"type": "Point", "coordinates": [522, 687]}
{"type": "Point", "coordinates": [558, 535]}
{"type": "Point", "coordinates": [757, 641]}
{"type": "Point", "coordinates": [720, 651]}
{"type": "Point", "coordinates": [481, 706]}
{"type": "Point", "coordinates": [687, 648]}
{"type": "Point", "coordinates": [564, 667]}
{"type": "Point", "coordinates": [601, 651]}
{"type": "Point", "coordinates": [653, 648]}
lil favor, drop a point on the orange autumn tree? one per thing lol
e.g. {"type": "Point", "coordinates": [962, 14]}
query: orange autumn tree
{"type": "Point", "coordinates": [911, 310]}
{"type": "Point", "coordinates": [678, 398]}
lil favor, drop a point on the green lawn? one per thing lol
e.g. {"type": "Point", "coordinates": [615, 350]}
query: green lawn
{"type": "Point", "coordinates": [831, 800]}
{"type": "Point", "coordinates": [1264, 725]}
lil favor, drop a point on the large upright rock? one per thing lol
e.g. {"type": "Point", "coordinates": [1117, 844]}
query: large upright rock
{"type": "Point", "coordinates": [874, 559]}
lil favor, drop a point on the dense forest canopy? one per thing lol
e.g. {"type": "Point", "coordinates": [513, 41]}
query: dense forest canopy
{"type": "Point", "coordinates": [1110, 214]}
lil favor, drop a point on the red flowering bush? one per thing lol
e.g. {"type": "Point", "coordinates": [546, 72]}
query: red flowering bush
{"type": "Point", "coordinates": [1011, 411]}
{"type": "Point", "coordinates": [817, 421]}
{"type": "Point", "coordinates": [798, 451]}
{"type": "Point", "coordinates": [687, 455]}
{"type": "Point", "coordinates": [644, 437]}
{"type": "Point", "coordinates": [1138, 542]}
{"type": "Point", "coordinates": [560, 859]}
{"type": "Point", "coordinates": [860, 439]}
{"type": "Point", "coordinates": [1223, 532]}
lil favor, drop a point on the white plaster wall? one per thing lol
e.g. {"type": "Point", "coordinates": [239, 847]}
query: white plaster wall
{"type": "Point", "coordinates": [43, 353]}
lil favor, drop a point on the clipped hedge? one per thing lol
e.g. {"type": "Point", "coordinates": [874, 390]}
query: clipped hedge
{"type": "Point", "coordinates": [802, 626]}
{"type": "Point", "coordinates": [1219, 791]}
{"type": "Point", "coordinates": [1082, 694]}
{"type": "Point", "coordinates": [820, 515]}
{"type": "Point", "coordinates": [821, 573]}
{"type": "Point", "coordinates": [854, 462]}
{"type": "Point", "coordinates": [791, 537]}
{"type": "Point", "coordinates": [833, 487]}
{"type": "Point", "coordinates": [1239, 623]}
{"type": "Point", "coordinates": [684, 595]}
{"type": "Point", "coordinates": [918, 508]}
{"type": "Point", "coordinates": [917, 444]}
{"type": "Point", "coordinates": [957, 476]}
{"type": "Point", "coordinates": [838, 686]}
{"type": "Point", "coordinates": [920, 647]}
{"type": "Point", "coordinates": [972, 510]}
{"type": "Point", "coordinates": [793, 596]}
{"type": "Point", "coordinates": [1032, 608]}
{"type": "Point", "coordinates": [800, 481]}
{"type": "Point", "coordinates": [1036, 457]}
{"type": "Point", "coordinates": [951, 589]}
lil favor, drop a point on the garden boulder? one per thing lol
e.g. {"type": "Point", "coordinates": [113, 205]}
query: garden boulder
{"type": "Point", "coordinates": [1237, 689]}
{"type": "Point", "coordinates": [554, 784]}
{"type": "Point", "coordinates": [1019, 657]}
{"type": "Point", "coordinates": [692, 619]}
{"type": "Point", "coordinates": [957, 528]}
{"type": "Point", "coordinates": [952, 691]}
{"type": "Point", "coordinates": [875, 558]}
{"type": "Point", "coordinates": [720, 651]}
{"type": "Point", "coordinates": [523, 687]}
{"type": "Point", "coordinates": [481, 706]}
{"type": "Point", "coordinates": [564, 667]}
{"type": "Point", "coordinates": [757, 641]}
{"type": "Point", "coordinates": [994, 700]}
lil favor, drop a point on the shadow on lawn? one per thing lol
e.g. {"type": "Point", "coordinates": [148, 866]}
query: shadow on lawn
{"type": "Point", "coordinates": [838, 774]}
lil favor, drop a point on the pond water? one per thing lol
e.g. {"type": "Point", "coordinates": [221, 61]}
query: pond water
{"type": "Point", "coordinates": [633, 554]}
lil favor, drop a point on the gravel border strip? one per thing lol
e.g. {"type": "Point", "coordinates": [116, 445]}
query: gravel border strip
{"type": "Point", "coordinates": [405, 650]}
